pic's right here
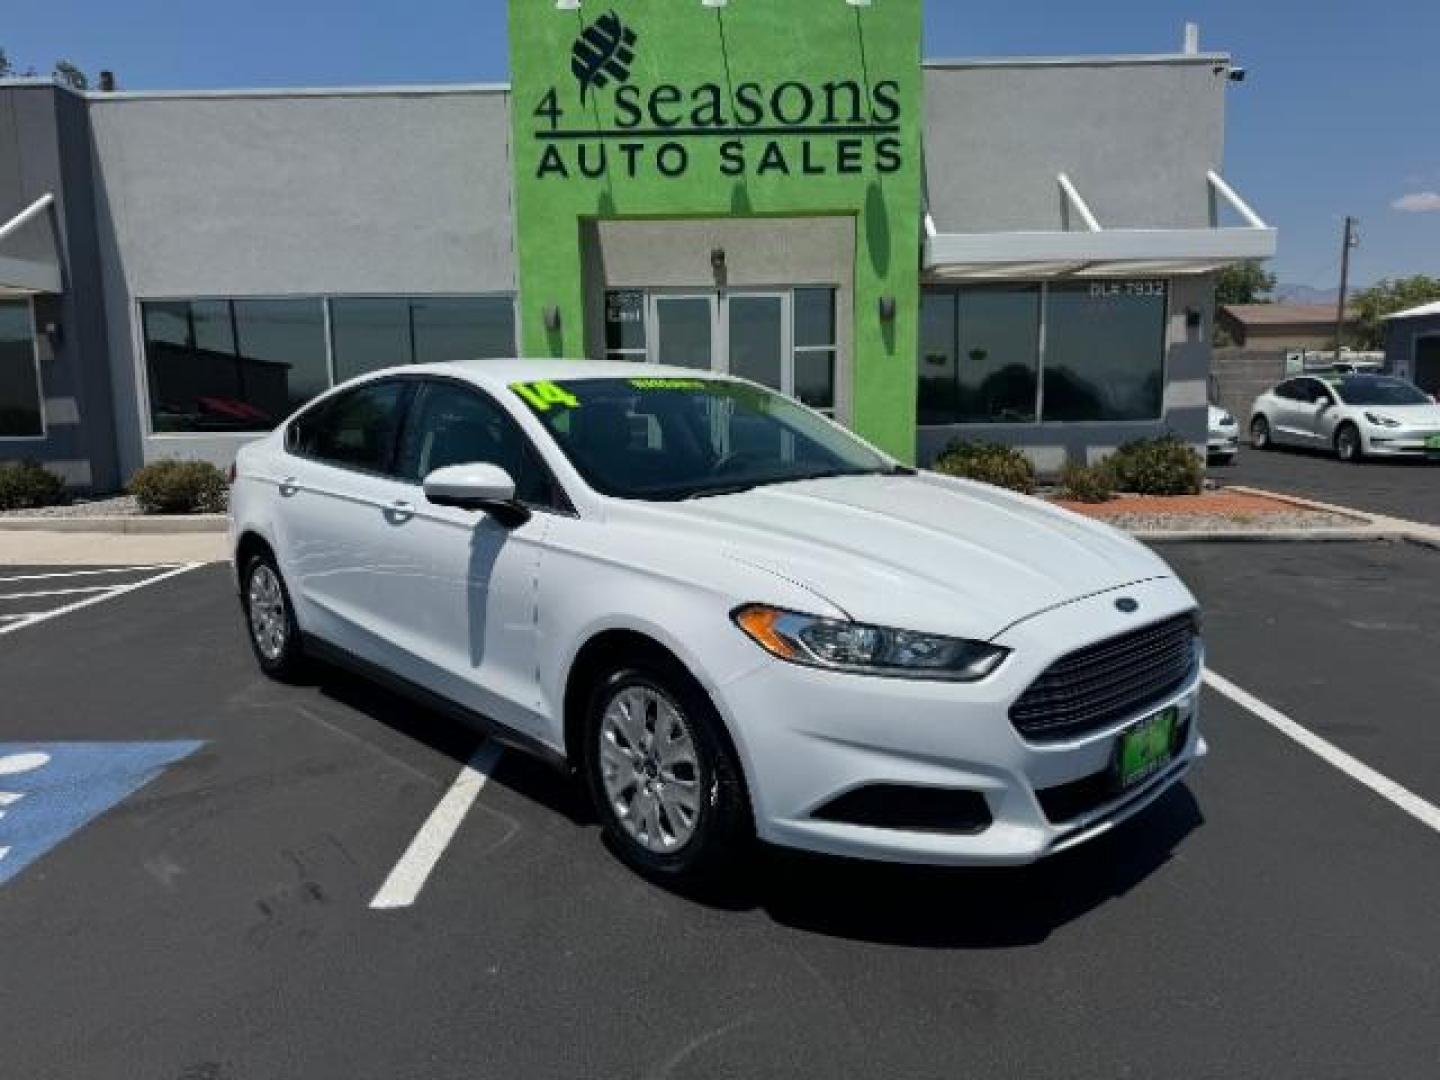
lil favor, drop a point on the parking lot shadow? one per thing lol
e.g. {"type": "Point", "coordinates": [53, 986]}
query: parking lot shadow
{"type": "Point", "coordinates": [934, 907]}
{"type": "Point", "coordinates": [930, 907]}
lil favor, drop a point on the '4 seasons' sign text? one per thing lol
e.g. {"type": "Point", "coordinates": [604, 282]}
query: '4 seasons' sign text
{"type": "Point", "coordinates": [788, 128]}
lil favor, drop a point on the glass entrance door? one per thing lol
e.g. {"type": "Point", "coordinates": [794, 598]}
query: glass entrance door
{"type": "Point", "coordinates": [685, 331]}
{"type": "Point", "coordinates": [782, 338]}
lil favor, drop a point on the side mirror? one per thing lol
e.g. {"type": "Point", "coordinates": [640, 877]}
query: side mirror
{"type": "Point", "coordinates": [479, 486]}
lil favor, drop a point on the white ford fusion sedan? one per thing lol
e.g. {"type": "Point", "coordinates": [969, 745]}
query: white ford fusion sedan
{"type": "Point", "coordinates": [728, 614]}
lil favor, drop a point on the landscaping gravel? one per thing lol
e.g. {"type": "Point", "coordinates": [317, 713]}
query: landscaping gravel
{"type": "Point", "coordinates": [116, 506]}
{"type": "Point", "coordinates": [1275, 520]}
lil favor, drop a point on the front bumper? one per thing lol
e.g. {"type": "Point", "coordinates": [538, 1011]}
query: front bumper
{"type": "Point", "coordinates": [1400, 442]}
{"type": "Point", "coordinates": [1223, 443]}
{"type": "Point", "coordinates": [808, 737]}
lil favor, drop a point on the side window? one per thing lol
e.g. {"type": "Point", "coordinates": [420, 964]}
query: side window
{"type": "Point", "coordinates": [1289, 390]}
{"type": "Point", "coordinates": [355, 430]}
{"type": "Point", "coordinates": [454, 425]}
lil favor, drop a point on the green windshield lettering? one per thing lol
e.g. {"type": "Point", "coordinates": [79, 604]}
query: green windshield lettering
{"type": "Point", "coordinates": [543, 394]}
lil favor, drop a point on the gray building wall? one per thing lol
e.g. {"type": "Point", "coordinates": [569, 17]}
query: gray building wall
{"type": "Point", "coordinates": [1136, 136]}
{"type": "Point", "coordinates": [44, 148]}
{"type": "Point", "coordinates": [292, 193]}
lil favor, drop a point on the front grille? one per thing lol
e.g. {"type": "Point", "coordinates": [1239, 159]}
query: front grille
{"type": "Point", "coordinates": [1103, 683]}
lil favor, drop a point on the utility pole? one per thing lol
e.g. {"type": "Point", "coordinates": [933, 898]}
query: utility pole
{"type": "Point", "coordinates": [1351, 240]}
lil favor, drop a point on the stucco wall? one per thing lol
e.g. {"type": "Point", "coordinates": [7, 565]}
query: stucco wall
{"type": "Point", "coordinates": [293, 194]}
{"type": "Point", "coordinates": [1136, 138]}
{"type": "Point", "coordinates": [44, 147]}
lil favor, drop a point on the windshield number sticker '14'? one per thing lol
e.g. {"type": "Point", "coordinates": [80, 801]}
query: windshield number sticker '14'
{"type": "Point", "coordinates": [542, 395]}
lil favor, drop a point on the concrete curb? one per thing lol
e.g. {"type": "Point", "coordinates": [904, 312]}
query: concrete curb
{"type": "Point", "coordinates": [148, 525]}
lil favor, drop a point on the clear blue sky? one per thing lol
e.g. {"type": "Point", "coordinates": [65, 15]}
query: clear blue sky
{"type": "Point", "coordinates": [1340, 113]}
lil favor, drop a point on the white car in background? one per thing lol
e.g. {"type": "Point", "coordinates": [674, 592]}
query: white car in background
{"type": "Point", "coordinates": [1223, 441]}
{"type": "Point", "coordinates": [724, 611]}
{"type": "Point", "coordinates": [1354, 415]}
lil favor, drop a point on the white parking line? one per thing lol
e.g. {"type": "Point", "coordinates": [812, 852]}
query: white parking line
{"type": "Point", "coordinates": [1424, 812]}
{"type": "Point", "coordinates": [410, 873]}
{"type": "Point", "coordinates": [56, 592]}
{"type": "Point", "coordinates": [109, 593]}
{"type": "Point", "coordinates": [88, 573]}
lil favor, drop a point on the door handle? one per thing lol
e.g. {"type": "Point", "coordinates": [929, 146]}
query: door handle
{"type": "Point", "coordinates": [289, 486]}
{"type": "Point", "coordinates": [399, 511]}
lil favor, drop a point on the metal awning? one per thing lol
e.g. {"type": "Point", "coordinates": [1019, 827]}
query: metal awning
{"type": "Point", "coordinates": [1095, 251]}
{"type": "Point", "coordinates": [23, 277]}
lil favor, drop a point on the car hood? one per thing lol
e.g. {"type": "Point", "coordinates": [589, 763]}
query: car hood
{"type": "Point", "coordinates": [924, 552]}
{"type": "Point", "coordinates": [1425, 415]}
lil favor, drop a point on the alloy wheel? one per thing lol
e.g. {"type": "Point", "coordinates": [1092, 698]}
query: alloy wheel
{"type": "Point", "coordinates": [266, 603]}
{"type": "Point", "coordinates": [650, 769]}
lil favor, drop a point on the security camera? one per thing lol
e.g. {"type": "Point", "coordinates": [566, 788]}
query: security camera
{"type": "Point", "coordinates": [1237, 74]}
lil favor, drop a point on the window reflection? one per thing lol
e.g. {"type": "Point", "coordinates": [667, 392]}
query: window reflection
{"type": "Point", "coordinates": [19, 387]}
{"type": "Point", "coordinates": [232, 365]}
{"type": "Point", "coordinates": [1105, 351]}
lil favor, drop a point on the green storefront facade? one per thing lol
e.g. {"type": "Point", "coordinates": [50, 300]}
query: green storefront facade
{"type": "Point", "coordinates": [658, 111]}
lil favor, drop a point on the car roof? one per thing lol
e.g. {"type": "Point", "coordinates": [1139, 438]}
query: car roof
{"type": "Point", "coordinates": [499, 373]}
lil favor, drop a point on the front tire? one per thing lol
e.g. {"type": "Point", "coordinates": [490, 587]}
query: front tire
{"type": "Point", "coordinates": [270, 619]}
{"type": "Point", "coordinates": [1348, 445]}
{"type": "Point", "coordinates": [663, 775]}
{"type": "Point", "coordinates": [1260, 434]}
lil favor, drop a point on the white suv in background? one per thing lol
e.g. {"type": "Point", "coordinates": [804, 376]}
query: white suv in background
{"type": "Point", "coordinates": [726, 612]}
{"type": "Point", "coordinates": [1351, 414]}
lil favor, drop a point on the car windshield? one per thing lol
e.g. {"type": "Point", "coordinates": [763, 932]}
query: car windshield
{"type": "Point", "coordinates": [663, 439]}
{"type": "Point", "coordinates": [1378, 390]}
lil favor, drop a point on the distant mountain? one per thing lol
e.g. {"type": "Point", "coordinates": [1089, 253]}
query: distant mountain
{"type": "Point", "coordinates": [1304, 294]}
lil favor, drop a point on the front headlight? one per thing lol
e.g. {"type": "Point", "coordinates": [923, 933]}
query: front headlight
{"type": "Point", "coordinates": [1381, 420]}
{"type": "Point", "coordinates": [867, 650]}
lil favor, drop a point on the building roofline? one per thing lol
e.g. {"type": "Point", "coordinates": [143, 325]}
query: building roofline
{"type": "Point", "coordinates": [397, 90]}
{"type": "Point", "coordinates": [1102, 60]}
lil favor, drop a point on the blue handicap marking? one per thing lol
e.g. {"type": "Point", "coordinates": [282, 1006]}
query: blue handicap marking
{"type": "Point", "coordinates": [49, 790]}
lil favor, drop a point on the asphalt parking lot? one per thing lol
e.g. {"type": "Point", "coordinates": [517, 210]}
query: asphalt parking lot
{"type": "Point", "coordinates": [189, 894]}
{"type": "Point", "coordinates": [1404, 489]}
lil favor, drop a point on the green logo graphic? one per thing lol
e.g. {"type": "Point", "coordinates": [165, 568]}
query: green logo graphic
{"type": "Point", "coordinates": [602, 52]}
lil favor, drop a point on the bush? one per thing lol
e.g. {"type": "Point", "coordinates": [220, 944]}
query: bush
{"type": "Point", "coordinates": [24, 485]}
{"type": "Point", "coordinates": [180, 487]}
{"type": "Point", "coordinates": [990, 463]}
{"type": "Point", "coordinates": [1086, 483]}
{"type": "Point", "coordinates": [1163, 466]}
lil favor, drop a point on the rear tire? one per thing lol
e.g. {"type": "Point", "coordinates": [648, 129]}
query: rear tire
{"type": "Point", "coordinates": [1348, 445]}
{"type": "Point", "coordinates": [663, 775]}
{"type": "Point", "coordinates": [270, 619]}
{"type": "Point", "coordinates": [1260, 434]}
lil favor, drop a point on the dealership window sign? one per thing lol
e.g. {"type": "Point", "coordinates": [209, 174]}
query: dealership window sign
{"type": "Point", "coordinates": [789, 127]}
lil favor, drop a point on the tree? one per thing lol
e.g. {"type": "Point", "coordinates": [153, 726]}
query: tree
{"type": "Point", "coordinates": [69, 75]}
{"type": "Point", "coordinates": [1243, 283]}
{"type": "Point", "coordinates": [1386, 297]}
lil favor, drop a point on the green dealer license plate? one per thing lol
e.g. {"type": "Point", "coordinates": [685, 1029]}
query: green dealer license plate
{"type": "Point", "coordinates": [1432, 442]}
{"type": "Point", "coordinates": [1146, 748]}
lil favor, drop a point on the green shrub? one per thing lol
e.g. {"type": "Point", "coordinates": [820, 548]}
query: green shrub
{"type": "Point", "coordinates": [1086, 483]}
{"type": "Point", "coordinates": [988, 462]}
{"type": "Point", "coordinates": [25, 485]}
{"type": "Point", "coordinates": [1163, 466]}
{"type": "Point", "coordinates": [180, 487]}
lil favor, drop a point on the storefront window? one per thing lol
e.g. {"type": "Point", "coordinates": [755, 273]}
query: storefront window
{"type": "Point", "coordinates": [815, 348]}
{"type": "Point", "coordinates": [369, 333]}
{"type": "Point", "coordinates": [244, 365]}
{"type": "Point", "coordinates": [981, 357]}
{"type": "Point", "coordinates": [232, 365]}
{"type": "Point", "coordinates": [20, 416]}
{"type": "Point", "coordinates": [1105, 350]}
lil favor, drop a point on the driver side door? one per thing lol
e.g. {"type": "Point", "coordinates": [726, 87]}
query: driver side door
{"type": "Point", "coordinates": [467, 584]}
